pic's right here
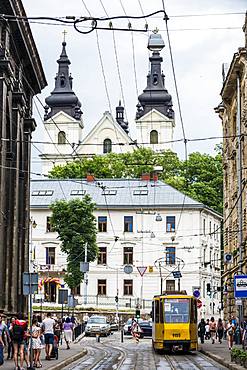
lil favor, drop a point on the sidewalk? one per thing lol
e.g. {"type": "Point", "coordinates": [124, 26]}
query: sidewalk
{"type": "Point", "coordinates": [220, 353]}
{"type": "Point", "coordinates": [65, 357]}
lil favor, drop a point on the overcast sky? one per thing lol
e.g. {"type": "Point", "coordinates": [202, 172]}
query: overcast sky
{"type": "Point", "coordinates": [198, 57]}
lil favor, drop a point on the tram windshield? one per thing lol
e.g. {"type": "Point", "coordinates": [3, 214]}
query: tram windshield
{"type": "Point", "coordinates": [176, 310]}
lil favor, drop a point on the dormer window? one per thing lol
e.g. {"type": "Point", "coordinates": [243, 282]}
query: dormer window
{"type": "Point", "coordinates": [107, 146]}
{"type": "Point", "coordinates": [153, 137]}
{"type": "Point", "coordinates": [61, 137]}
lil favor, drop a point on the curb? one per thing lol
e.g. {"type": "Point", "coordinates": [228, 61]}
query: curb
{"type": "Point", "coordinates": [68, 361]}
{"type": "Point", "coordinates": [220, 360]}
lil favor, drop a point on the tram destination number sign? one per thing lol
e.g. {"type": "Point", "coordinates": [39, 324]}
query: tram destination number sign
{"type": "Point", "coordinates": [240, 286]}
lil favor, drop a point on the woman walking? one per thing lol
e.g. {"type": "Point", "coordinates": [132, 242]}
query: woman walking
{"type": "Point", "coordinates": [36, 343]}
{"type": "Point", "coordinates": [212, 327]}
{"type": "Point", "coordinates": [68, 331]}
{"type": "Point", "coordinates": [230, 333]}
{"type": "Point", "coordinates": [220, 330]}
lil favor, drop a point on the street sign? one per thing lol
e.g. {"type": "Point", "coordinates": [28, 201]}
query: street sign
{"type": "Point", "coordinates": [196, 293]}
{"type": "Point", "coordinates": [128, 269]}
{"type": "Point", "coordinates": [176, 274]}
{"type": "Point", "coordinates": [84, 266]}
{"type": "Point", "coordinates": [62, 296]}
{"type": "Point", "coordinates": [228, 258]}
{"type": "Point", "coordinates": [150, 269]}
{"type": "Point", "coordinates": [142, 270]}
{"type": "Point", "coordinates": [240, 286]}
{"type": "Point", "coordinates": [30, 282]}
{"type": "Point", "coordinates": [199, 303]}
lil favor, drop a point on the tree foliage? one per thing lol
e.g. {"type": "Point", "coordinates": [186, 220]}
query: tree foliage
{"type": "Point", "coordinates": [200, 177]}
{"type": "Point", "coordinates": [75, 224]}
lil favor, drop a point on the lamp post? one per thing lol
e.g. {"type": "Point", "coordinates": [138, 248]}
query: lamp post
{"type": "Point", "coordinates": [30, 308]}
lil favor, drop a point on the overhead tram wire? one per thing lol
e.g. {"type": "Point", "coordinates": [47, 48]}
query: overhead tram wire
{"type": "Point", "coordinates": [179, 107]}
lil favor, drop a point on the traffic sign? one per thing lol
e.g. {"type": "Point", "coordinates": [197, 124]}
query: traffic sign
{"type": "Point", "coordinates": [142, 270]}
{"type": "Point", "coordinates": [238, 302]}
{"type": "Point", "coordinates": [196, 293]}
{"type": "Point", "coordinates": [199, 303]}
{"type": "Point", "coordinates": [128, 269]}
{"type": "Point", "coordinates": [240, 286]}
{"type": "Point", "coordinates": [30, 282]}
{"type": "Point", "coordinates": [176, 274]}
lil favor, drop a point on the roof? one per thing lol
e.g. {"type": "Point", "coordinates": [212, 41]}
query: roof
{"type": "Point", "coordinates": [112, 193]}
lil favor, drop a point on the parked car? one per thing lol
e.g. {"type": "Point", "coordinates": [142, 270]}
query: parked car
{"type": "Point", "coordinates": [114, 326]}
{"type": "Point", "coordinates": [145, 325]}
{"type": "Point", "coordinates": [97, 325]}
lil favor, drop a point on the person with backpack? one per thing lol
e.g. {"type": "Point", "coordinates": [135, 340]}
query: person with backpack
{"type": "Point", "coordinates": [212, 327]}
{"type": "Point", "coordinates": [18, 329]}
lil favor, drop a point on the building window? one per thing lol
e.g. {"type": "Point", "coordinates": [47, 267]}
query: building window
{"type": "Point", "coordinates": [128, 287]}
{"type": "Point", "coordinates": [170, 285]}
{"type": "Point", "coordinates": [107, 146]}
{"type": "Point", "coordinates": [102, 224]}
{"type": "Point", "coordinates": [49, 227]}
{"type": "Point", "coordinates": [128, 224]}
{"type": "Point", "coordinates": [204, 226]}
{"type": "Point", "coordinates": [170, 224]}
{"type": "Point", "coordinates": [153, 137]}
{"type": "Point", "coordinates": [128, 256]}
{"type": "Point", "coordinates": [102, 287]}
{"type": "Point", "coordinates": [170, 255]}
{"type": "Point", "coordinates": [210, 229]}
{"type": "Point", "coordinates": [50, 255]}
{"type": "Point", "coordinates": [61, 137]}
{"type": "Point", "coordinates": [102, 257]}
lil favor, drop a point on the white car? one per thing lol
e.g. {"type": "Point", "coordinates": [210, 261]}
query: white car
{"type": "Point", "coordinates": [97, 325]}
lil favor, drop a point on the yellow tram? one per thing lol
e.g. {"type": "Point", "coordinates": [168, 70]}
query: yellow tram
{"type": "Point", "coordinates": [174, 322]}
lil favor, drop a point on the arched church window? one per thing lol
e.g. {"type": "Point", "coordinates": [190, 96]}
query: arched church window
{"type": "Point", "coordinates": [107, 146]}
{"type": "Point", "coordinates": [61, 137]}
{"type": "Point", "coordinates": [153, 137]}
{"type": "Point", "coordinates": [155, 79]}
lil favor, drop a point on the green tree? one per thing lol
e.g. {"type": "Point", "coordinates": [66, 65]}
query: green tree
{"type": "Point", "coordinates": [75, 224]}
{"type": "Point", "coordinates": [200, 177]}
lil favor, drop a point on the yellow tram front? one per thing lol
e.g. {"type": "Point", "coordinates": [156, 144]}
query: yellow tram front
{"type": "Point", "coordinates": [174, 322]}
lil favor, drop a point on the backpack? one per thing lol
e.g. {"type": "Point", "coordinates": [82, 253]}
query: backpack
{"type": "Point", "coordinates": [19, 328]}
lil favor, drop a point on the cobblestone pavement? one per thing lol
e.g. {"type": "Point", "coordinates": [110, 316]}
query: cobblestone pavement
{"type": "Point", "coordinates": [111, 354]}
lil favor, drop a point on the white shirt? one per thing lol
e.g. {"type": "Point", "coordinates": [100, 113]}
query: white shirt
{"type": "Point", "coordinates": [48, 325]}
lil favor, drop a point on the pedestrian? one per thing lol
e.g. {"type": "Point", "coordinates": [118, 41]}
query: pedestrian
{"type": "Point", "coordinates": [207, 330]}
{"type": "Point", "coordinates": [220, 330]}
{"type": "Point", "coordinates": [135, 330]}
{"type": "Point", "coordinates": [10, 339]}
{"type": "Point", "coordinates": [68, 331]}
{"type": "Point", "coordinates": [58, 329]}
{"type": "Point", "coordinates": [212, 328]}
{"type": "Point", "coordinates": [48, 329]}
{"type": "Point", "coordinates": [36, 343]}
{"type": "Point", "coordinates": [202, 330]}
{"type": "Point", "coordinates": [18, 329]}
{"type": "Point", "coordinates": [2, 329]}
{"type": "Point", "coordinates": [230, 333]}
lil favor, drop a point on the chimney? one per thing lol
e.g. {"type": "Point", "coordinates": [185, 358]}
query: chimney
{"type": "Point", "coordinates": [90, 177]}
{"type": "Point", "coordinates": [155, 177]}
{"type": "Point", "coordinates": [145, 177]}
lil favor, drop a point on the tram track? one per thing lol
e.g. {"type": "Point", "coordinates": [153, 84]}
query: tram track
{"type": "Point", "coordinates": [190, 362]}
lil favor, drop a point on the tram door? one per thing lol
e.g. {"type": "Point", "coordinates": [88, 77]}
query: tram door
{"type": "Point", "coordinates": [158, 320]}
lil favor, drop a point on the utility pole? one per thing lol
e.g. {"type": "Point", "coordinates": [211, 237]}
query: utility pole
{"type": "Point", "coordinates": [239, 177]}
{"type": "Point", "coordinates": [179, 276]}
{"type": "Point", "coordinates": [85, 277]}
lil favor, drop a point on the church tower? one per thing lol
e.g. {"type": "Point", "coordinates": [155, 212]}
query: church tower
{"type": "Point", "coordinates": [155, 116]}
{"type": "Point", "coordinates": [62, 119]}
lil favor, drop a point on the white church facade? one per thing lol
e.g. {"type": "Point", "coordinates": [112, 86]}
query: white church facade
{"type": "Point", "coordinates": [65, 139]}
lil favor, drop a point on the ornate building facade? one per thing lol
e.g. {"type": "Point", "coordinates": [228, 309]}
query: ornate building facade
{"type": "Point", "coordinates": [233, 113]}
{"type": "Point", "coordinates": [64, 126]}
{"type": "Point", "coordinates": [21, 77]}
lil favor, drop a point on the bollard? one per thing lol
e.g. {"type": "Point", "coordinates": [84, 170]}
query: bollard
{"type": "Point", "coordinates": [97, 338]}
{"type": "Point", "coordinates": [122, 335]}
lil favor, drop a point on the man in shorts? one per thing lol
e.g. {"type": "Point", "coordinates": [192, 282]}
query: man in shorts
{"type": "Point", "coordinates": [48, 330]}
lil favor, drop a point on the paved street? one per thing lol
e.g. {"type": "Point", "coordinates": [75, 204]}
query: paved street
{"type": "Point", "coordinates": [110, 353]}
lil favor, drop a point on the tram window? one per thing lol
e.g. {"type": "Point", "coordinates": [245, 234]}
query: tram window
{"type": "Point", "coordinates": [176, 310]}
{"type": "Point", "coordinates": [161, 312]}
{"type": "Point", "coordinates": [157, 307]}
{"type": "Point", "coordinates": [193, 315]}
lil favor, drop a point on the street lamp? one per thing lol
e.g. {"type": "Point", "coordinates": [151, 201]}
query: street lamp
{"type": "Point", "coordinates": [158, 217]}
